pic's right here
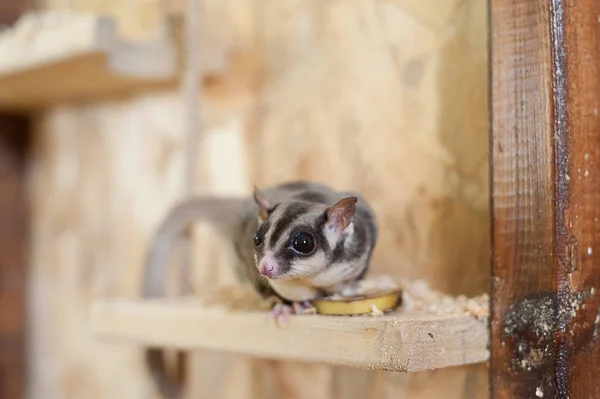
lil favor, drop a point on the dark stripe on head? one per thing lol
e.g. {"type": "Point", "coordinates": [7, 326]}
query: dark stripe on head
{"type": "Point", "coordinates": [313, 196]}
{"type": "Point", "coordinates": [262, 230]}
{"type": "Point", "coordinates": [294, 185]}
{"type": "Point", "coordinates": [320, 236]}
{"type": "Point", "coordinates": [290, 213]}
{"type": "Point", "coordinates": [272, 209]}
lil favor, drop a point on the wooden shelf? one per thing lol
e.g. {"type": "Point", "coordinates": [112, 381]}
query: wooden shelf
{"type": "Point", "coordinates": [56, 57]}
{"type": "Point", "coordinates": [409, 340]}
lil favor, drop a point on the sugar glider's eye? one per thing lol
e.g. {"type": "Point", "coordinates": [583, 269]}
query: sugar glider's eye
{"type": "Point", "coordinates": [258, 240]}
{"type": "Point", "coordinates": [304, 243]}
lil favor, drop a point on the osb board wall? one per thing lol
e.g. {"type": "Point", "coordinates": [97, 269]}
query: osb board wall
{"type": "Point", "coordinates": [386, 97]}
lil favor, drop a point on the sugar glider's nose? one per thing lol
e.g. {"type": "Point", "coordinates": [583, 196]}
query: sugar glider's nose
{"type": "Point", "coordinates": [269, 267]}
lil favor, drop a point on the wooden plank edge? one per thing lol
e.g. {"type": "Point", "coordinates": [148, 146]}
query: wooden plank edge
{"type": "Point", "coordinates": [49, 37]}
{"type": "Point", "coordinates": [51, 58]}
{"type": "Point", "coordinates": [403, 341]}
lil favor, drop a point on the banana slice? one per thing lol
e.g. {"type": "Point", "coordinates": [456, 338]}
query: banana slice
{"type": "Point", "coordinates": [359, 305]}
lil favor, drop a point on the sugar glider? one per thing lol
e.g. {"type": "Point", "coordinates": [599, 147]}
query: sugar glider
{"type": "Point", "coordinates": [298, 241]}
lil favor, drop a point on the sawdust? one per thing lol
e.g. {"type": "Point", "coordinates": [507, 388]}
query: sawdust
{"type": "Point", "coordinates": [417, 295]}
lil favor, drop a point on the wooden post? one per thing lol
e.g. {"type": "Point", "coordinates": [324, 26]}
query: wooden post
{"type": "Point", "coordinates": [14, 221]}
{"type": "Point", "coordinates": [545, 338]}
{"type": "Point", "coordinates": [13, 261]}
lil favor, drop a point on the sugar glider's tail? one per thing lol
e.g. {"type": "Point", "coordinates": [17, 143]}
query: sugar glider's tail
{"type": "Point", "coordinates": [223, 214]}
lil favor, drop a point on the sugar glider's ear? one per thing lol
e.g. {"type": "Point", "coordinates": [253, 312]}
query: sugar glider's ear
{"type": "Point", "coordinates": [263, 202]}
{"type": "Point", "coordinates": [339, 216]}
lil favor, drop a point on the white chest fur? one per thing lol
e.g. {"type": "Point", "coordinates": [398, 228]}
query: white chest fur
{"type": "Point", "coordinates": [295, 290]}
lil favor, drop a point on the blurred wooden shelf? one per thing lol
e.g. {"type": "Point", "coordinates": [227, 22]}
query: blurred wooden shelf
{"type": "Point", "coordinates": [50, 58]}
{"type": "Point", "coordinates": [406, 340]}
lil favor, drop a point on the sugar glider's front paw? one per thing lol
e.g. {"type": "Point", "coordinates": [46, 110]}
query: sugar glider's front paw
{"type": "Point", "coordinates": [282, 312]}
{"type": "Point", "coordinates": [301, 307]}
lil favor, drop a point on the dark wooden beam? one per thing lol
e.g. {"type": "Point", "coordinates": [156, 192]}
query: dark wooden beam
{"type": "Point", "coordinates": [14, 221]}
{"type": "Point", "coordinates": [545, 86]}
{"type": "Point", "coordinates": [14, 238]}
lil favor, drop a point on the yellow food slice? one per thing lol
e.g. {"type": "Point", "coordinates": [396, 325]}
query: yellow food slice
{"type": "Point", "coordinates": [361, 305]}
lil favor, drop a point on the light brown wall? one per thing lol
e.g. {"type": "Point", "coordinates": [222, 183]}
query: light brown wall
{"type": "Point", "coordinates": [387, 97]}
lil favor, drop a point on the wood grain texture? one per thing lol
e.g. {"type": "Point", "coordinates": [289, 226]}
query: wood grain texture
{"type": "Point", "coordinates": [406, 341]}
{"type": "Point", "coordinates": [578, 226]}
{"type": "Point", "coordinates": [14, 230]}
{"type": "Point", "coordinates": [546, 192]}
